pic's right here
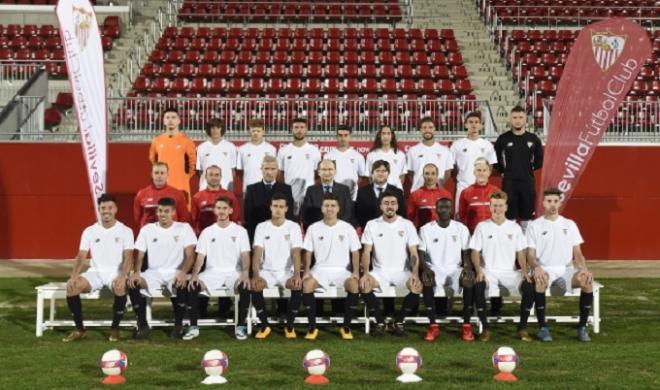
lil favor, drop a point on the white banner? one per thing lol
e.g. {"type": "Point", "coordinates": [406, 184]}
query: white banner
{"type": "Point", "coordinates": [81, 40]}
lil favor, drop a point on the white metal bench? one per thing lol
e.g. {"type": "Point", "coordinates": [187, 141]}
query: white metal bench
{"type": "Point", "coordinates": [594, 318]}
{"type": "Point", "coordinates": [51, 292]}
{"type": "Point", "coordinates": [57, 290]}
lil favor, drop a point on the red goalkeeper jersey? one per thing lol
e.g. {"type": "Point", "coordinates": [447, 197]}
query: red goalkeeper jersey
{"type": "Point", "coordinates": [474, 205]}
{"type": "Point", "coordinates": [146, 203]}
{"type": "Point", "coordinates": [202, 208]}
{"type": "Point", "coordinates": [421, 204]}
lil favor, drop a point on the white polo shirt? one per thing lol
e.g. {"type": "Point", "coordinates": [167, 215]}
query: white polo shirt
{"type": "Point", "coordinates": [350, 166]}
{"type": "Point", "coordinates": [331, 245]}
{"type": "Point", "coordinates": [223, 155]}
{"type": "Point", "coordinates": [465, 152]}
{"type": "Point", "coordinates": [397, 164]}
{"type": "Point", "coordinates": [277, 243]}
{"type": "Point", "coordinates": [420, 155]}
{"type": "Point", "coordinates": [553, 241]}
{"type": "Point", "coordinates": [250, 158]}
{"type": "Point", "coordinates": [390, 242]}
{"type": "Point", "coordinates": [299, 165]}
{"type": "Point", "coordinates": [165, 246]}
{"type": "Point", "coordinates": [223, 247]}
{"type": "Point", "coordinates": [107, 246]}
{"type": "Point", "coordinates": [444, 246]}
{"type": "Point", "coordinates": [498, 244]}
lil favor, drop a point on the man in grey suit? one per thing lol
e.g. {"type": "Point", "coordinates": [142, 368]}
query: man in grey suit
{"type": "Point", "coordinates": [310, 211]}
{"type": "Point", "coordinates": [256, 207]}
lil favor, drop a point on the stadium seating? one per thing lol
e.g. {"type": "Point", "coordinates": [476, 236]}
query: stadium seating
{"type": "Point", "coordinates": [299, 62]}
{"type": "Point", "coordinates": [537, 59]}
{"type": "Point", "coordinates": [42, 44]}
{"type": "Point", "coordinates": [364, 61]}
{"type": "Point", "coordinates": [566, 12]}
{"type": "Point", "coordinates": [260, 11]}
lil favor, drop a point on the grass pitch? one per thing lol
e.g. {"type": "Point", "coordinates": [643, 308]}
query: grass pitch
{"type": "Point", "coordinates": [626, 354]}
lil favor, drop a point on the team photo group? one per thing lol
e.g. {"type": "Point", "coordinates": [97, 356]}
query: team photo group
{"type": "Point", "coordinates": [305, 222]}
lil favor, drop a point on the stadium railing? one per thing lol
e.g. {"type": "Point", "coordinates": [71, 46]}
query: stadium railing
{"type": "Point", "coordinates": [51, 292]}
{"type": "Point", "coordinates": [140, 118]}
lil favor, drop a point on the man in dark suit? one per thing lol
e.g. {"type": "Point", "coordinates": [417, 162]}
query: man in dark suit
{"type": "Point", "coordinates": [367, 205]}
{"type": "Point", "coordinates": [256, 207]}
{"type": "Point", "coordinates": [310, 211]}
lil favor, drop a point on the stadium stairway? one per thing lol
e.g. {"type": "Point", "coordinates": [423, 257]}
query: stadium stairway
{"type": "Point", "coordinates": [488, 74]}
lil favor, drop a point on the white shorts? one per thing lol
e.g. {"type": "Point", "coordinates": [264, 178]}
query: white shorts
{"type": "Point", "coordinates": [215, 280]}
{"type": "Point", "coordinates": [560, 279]}
{"type": "Point", "coordinates": [99, 278]}
{"type": "Point", "coordinates": [158, 279]}
{"type": "Point", "coordinates": [447, 279]}
{"type": "Point", "coordinates": [330, 277]}
{"type": "Point", "coordinates": [503, 280]}
{"type": "Point", "coordinates": [276, 278]}
{"type": "Point", "coordinates": [387, 278]}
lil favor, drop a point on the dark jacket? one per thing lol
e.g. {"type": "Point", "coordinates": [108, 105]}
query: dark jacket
{"type": "Point", "coordinates": [367, 206]}
{"type": "Point", "coordinates": [256, 206]}
{"type": "Point", "coordinates": [310, 211]}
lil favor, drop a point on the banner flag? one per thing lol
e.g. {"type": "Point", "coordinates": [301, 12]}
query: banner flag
{"type": "Point", "coordinates": [81, 41]}
{"type": "Point", "coordinates": [599, 72]}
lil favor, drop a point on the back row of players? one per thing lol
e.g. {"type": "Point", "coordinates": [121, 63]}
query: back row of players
{"type": "Point", "coordinates": [390, 245]}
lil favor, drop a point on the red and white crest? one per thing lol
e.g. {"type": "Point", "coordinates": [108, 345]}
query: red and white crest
{"type": "Point", "coordinates": [401, 233]}
{"type": "Point", "coordinates": [83, 22]}
{"type": "Point", "coordinates": [233, 238]}
{"type": "Point", "coordinates": [606, 47]}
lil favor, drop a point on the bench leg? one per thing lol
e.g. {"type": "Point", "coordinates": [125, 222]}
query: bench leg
{"type": "Point", "coordinates": [52, 309]}
{"type": "Point", "coordinates": [236, 312]}
{"type": "Point", "coordinates": [148, 310]}
{"type": "Point", "coordinates": [39, 330]}
{"type": "Point", "coordinates": [250, 317]}
{"type": "Point", "coordinates": [367, 323]}
{"type": "Point", "coordinates": [596, 314]}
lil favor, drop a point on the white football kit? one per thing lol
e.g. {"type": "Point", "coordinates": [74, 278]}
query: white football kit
{"type": "Point", "coordinates": [444, 248]}
{"type": "Point", "coordinates": [277, 243]}
{"type": "Point", "coordinates": [106, 247]}
{"type": "Point", "coordinates": [223, 154]}
{"type": "Point", "coordinates": [299, 166]}
{"type": "Point", "coordinates": [223, 248]}
{"type": "Point", "coordinates": [250, 158]}
{"type": "Point", "coordinates": [420, 155]}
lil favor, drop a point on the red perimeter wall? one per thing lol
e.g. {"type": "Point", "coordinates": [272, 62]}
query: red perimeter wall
{"type": "Point", "coordinates": [45, 202]}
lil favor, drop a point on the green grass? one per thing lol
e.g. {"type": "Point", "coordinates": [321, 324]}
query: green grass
{"type": "Point", "coordinates": [626, 354]}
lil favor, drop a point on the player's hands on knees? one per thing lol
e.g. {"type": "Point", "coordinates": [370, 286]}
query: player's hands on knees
{"type": "Point", "coordinates": [180, 280]}
{"type": "Point", "coordinates": [134, 280]}
{"type": "Point", "coordinates": [540, 276]}
{"type": "Point", "coordinates": [296, 282]}
{"type": "Point", "coordinates": [245, 280]}
{"type": "Point", "coordinates": [480, 276]}
{"type": "Point", "coordinates": [194, 282]}
{"type": "Point", "coordinates": [415, 282]}
{"type": "Point", "coordinates": [306, 275]}
{"type": "Point", "coordinates": [355, 275]}
{"type": "Point", "coordinates": [120, 282]}
{"type": "Point", "coordinates": [586, 276]}
{"type": "Point", "coordinates": [365, 282]}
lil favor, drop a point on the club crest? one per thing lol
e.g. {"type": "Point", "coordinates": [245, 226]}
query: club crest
{"type": "Point", "coordinates": [287, 236]}
{"type": "Point", "coordinates": [233, 238]}
{"type": "Point", "coordinates": [307, 156]}
{"type": "Point", "coordinates": [606, 47]}
{"type": "Point", "coordinates": [341, 237]}
{"type": "Point", "coordinates": [565, 231]}
{"type": "Point", "coordinates": [509, 236]}
{"type": "Point", "coordinates": [82, 19]}
{"type": "Point", "coordinates": [176, 238]}
{"type": "Point", "coordinates": [401, 233]}
{"type": "Point", "coordinates": [454, 237]}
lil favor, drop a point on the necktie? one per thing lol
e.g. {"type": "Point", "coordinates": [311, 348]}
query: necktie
{"type": "Point", "coordinates": [327, 189]}
{"type": "Point", "coordinates": [269, 187]}
{"type": "Point", "coordinates": [380, 191]}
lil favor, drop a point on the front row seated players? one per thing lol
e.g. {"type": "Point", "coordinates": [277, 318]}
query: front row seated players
{"type": "Point", "coordinates": [334, 244]}
{"type": "Point", "coordinates": [393, 241]}
{"type": "Point", "coordinates": [226, 247]}
{"type": "Point", "coordinates": [171, 247]}
{"type": "Point", "coordinates": [276, 262]}
{"type": "Point", "coordinates": [443, 249]}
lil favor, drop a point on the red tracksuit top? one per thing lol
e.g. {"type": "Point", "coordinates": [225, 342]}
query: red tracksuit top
{"type": "Point", "coordinates": [146, 203]}
{"type": "Point", "coordinates": [202, 208]}
{"type": "Point", "coordinates": [474, 205]}
{"type": "Point", "coordinates": [421, 205]}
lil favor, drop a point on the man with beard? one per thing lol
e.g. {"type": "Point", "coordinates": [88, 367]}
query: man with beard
{"type": "Point", "coordinates": [428, 152]}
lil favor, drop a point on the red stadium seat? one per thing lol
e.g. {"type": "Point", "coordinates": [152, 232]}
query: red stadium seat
{"type": "Point", "coordinates": [259, 71]}
{"type": "Point", "coordinates": [350, 71]}
{"type": "Point", "coordinates": [313, 86]}
{"type": "Point", "coordinates": [351, 86]}
{"type": "Point", "coordinates": [187, 70]}
{"type": "Point", "coordinates": [445, 87]}
{"type": "Point", "coordinates": [278, 71]}
{"type": "Point", "coordinates": [217, 86]}
{"type": "Point", "coordinates": [198, 85]}
{"type": "Point", "coordinates": [255, 86]}
{"type": "Point", "coordinates": [235, 85]}
{"type": "Point", "coordinates": [206, 71]}
{"type": "Point", "coordinates": [463, 87]}
{"type": "Point", "coordinates": [223, 71]}
{"type": "Point", "coordinates": [169, 70]}
{"type": "Point", "coordinates": [241, 71]}
{"type": "Point", "coordinates": [408, 86]}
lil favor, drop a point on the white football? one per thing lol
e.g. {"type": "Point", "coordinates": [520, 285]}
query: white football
{"type": "Point", "coordinates": [408, 360]}
{"type": "Point", "coordinates": [316, 362]}
{"type": "Point", "coordinates": [114, 362]}
{"type": "Point", "coordinates": [505, 359]}
{"type": "Point", "coordinates": [215, 362]}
